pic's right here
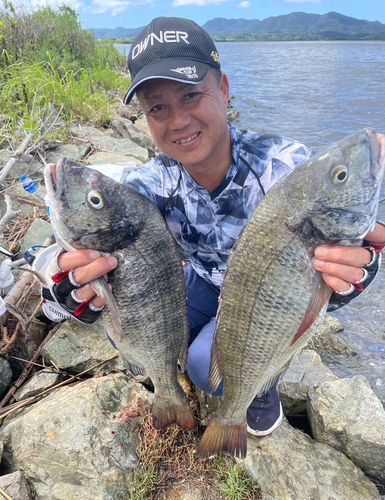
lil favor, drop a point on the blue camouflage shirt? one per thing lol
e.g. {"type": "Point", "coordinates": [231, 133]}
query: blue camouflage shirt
{"type": "Point", "coordinates": [205, 224]}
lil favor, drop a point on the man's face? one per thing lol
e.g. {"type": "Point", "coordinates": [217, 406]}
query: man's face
{"type": "Point", "coordinates": [189, 122]}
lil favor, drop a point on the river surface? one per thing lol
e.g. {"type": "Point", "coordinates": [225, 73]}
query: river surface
{"type": "Point", "coordinates": [319, 92]}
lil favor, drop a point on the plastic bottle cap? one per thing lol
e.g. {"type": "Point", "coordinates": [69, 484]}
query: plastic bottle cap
{"type": "Point", "coordinates": [22, 177]}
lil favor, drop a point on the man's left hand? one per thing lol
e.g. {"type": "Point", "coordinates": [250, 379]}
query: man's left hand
{"type": "Point", "coordinates": [342, 265]}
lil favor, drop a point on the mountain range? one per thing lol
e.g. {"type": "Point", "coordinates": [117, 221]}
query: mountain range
{"type": "Point", "coordinates": [290, 26]}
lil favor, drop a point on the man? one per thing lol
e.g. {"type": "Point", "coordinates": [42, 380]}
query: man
{"type": "Point", "coordinates": [206, 183]}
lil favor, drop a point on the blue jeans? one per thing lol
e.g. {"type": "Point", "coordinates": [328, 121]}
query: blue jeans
{"type": "Point", "coordinates": [202, 304]}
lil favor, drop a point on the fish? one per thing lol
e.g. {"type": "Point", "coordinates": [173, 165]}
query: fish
{"type": "Point", "coordinates": [272, 299]}
{"type": "Point", "coordinates": [146, 314]}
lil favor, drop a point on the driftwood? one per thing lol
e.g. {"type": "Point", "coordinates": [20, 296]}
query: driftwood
{"type": "Point", "coordinates": [9, 214]}
{"type": "Point", "coordinates": [17, 154]}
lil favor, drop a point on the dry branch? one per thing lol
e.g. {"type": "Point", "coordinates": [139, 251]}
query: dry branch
{"type": "Point", "coordinates": [9, 214]}
{"type": "Point", "coordinates": [10, 163]}
{"type": "Point", "coordinates": [27, 369]}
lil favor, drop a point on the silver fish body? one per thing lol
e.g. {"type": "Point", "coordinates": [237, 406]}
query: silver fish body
{"type": "Point", "coordinates": [272, 298]}
{"type": "Point", "coordinates": [91, 211]}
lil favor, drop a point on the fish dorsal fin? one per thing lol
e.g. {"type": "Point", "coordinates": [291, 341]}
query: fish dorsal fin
{"type": "Point", "coordinates": [321, 295]}
{"type": "Point", "coordinates": [101, 288]}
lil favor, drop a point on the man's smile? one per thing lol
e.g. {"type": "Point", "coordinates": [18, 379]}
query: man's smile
{"type": "Point", "coordinates": [187, 139]}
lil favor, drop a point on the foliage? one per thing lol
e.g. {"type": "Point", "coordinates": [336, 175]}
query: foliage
{"type": "Point", "coordinates": [51, 70]}
{"type": "Point", "coordinates": [234, 481]}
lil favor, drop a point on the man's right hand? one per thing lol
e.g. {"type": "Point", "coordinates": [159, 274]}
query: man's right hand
{"type": "Point", "coordinates": [87, 265]}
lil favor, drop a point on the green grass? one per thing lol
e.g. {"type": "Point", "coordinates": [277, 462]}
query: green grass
{"type": "Point", "coordinates": [233, 480]}
{"type": "Point", "coordinates": [143, 482]}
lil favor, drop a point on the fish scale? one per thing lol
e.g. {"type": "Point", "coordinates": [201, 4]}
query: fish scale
{"type": "Point", "coordinates": [272, 299]}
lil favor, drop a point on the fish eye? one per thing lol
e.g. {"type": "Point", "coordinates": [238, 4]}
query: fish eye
{"type": "Point", "coordinates": [95, 199]}
{"type": "Point", "coordinates": [339, 174]}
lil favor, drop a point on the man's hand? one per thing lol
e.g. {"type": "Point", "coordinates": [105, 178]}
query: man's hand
{"type": "Point", "coordinates": [87, 265]}
{"type": "Point", "coordinates": [342, 265]}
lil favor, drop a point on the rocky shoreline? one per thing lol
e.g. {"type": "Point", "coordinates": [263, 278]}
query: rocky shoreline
{"type": "Point", "coordinates": [79, 442]}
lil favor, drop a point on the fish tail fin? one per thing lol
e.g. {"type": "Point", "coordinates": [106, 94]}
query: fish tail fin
{"type": "Point", "coordinates": [219, 438]}
{"type": "Point", "coordinates": [172, 410]}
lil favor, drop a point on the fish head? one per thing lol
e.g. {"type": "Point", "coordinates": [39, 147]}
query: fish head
{"type": "Point", "coordinates": [340, 188]}
{"type": "Point", "coordinates": [88, 209]}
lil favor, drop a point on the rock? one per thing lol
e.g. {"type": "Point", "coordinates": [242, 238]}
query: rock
{"type": "Point", "coordinates": [15, 485]}
{"type": "Point", "coordinates": [208, 405]}
{"type": "Point", "coordinates": [40, 382]}
{"type": "Point", "coordinates": [37, 233]}
{"type": "Point", "coordinates": [326, 338]}
{"type": "Point", "coordinates": [5, 375]}
{"type": "Point", "coordinates": [84, 149]}
{"type": "Point", "coordinates": [102, 158]}
{"type": "Point", "coordinates": [126, 129]}
{"type": "Point", "coordinates": [232, 115]}
{"type": "Point", "coordinates": [121, 146]}
{"type": "Point", "coordinates": [80, 441]}
{"type": "Point", "coordinates": [85, 131]}
{"type": "Point", "coordinates": [348, 415]}
{"type": "Point", "coordinates": [77, 347]}
{"type": "Point", "coordinates": [67, 150]}
{"type": "Point", "coordinates": [288, 464]}
{"type": "Point", "coordinates": [180, 492]}
{"type": "Point", "coordinates": [305, 371]}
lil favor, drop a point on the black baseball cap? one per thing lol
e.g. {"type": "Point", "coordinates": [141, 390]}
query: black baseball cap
{"type": "Point", "coordinates": [173, 48]}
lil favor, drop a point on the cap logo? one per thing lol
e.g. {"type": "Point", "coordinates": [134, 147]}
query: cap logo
{"type": "Point", "coordinates": [215, 56]}
{"type": "Point", "coordinates": [164, 37]}
{"type": "Point", "coordinates": [189, 71]}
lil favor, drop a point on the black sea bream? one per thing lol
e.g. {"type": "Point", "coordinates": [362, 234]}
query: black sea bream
{"type": "Point", "coordinates": [271, 296]}
{"type": "Point", "coordinates": [146, 315]}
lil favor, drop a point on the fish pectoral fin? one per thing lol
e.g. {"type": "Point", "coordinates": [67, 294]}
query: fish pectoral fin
{"type": "Point", "coordinates": [101, 288]}
{"type": "Point", "coordinates": [320, 297]}
{"type": "Point", "coordinates": [135, 369]}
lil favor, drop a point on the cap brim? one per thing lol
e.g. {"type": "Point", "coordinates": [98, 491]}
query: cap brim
{"type": "Point", "coordinates": [179, 70]}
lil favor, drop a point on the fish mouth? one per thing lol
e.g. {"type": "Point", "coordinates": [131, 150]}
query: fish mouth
{"type": "Point", "coordinates": [54, 180]}
{"type": "Point", "coordinates": [377, 146]}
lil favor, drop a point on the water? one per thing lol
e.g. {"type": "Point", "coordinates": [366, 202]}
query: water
{"type": "Point", "coordinates": [319, 92]}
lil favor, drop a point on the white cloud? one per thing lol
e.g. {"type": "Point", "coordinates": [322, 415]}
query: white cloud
{"type": "Point", "coordinates": [200, 3]}
{"type": "Point", "coordinates": [244, 5]}
{"type": "Point", "coordinates": [114, 6]}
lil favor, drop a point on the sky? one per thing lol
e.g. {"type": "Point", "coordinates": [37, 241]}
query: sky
{"type": "Point", "coordinates": [138, 13]}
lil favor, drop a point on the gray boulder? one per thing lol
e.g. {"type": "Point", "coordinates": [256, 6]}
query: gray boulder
{"type": "Point", "coordinates": [80, 441]}
{"type": "Point", "coordinates": [305, 371]}
{"type": "Point", "coordinates": [77, 347]}
{"type": "Point", "coordinates": [5, 375]}
{"type": "Point", "coordinates": [16, 486]}
{"type": "Point", "coordinates": [37, 233]}
{"type": "Point", "coordinates": [327, 338]}
{"type": "Point", "coordinates": [348, 415]}
{"type": "Point", "coordinates": [102, 158]}
{"type": "Point", "coordinates": [66, 150]}
{"type": "Point", "coordinates": [121, 146]}
{"type": "Point", "coordinates": [288, 464]}
{"type": "Point", "coordinates": [127, 130]}
{"type": "Point", "coordinates": [40, 382]}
